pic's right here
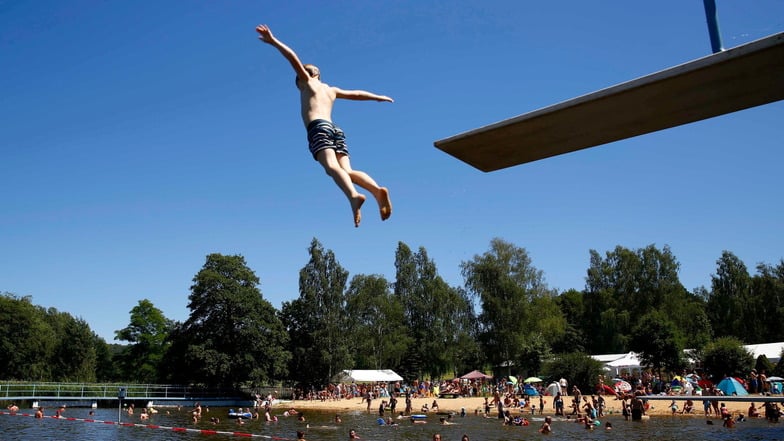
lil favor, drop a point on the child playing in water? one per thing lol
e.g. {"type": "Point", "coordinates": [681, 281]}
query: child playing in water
{"type": "Point", "coordinates": [327, 141]}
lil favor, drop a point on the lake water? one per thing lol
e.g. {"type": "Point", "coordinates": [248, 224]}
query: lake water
{"type": "Point", "coordinates": [322, 427]}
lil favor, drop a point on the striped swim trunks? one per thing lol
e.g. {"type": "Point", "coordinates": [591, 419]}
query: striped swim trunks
{"type": "Point", "coordinates": [323, 134]}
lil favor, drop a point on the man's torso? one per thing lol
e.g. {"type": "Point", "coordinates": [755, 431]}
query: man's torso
{"type": "Point", "coordinates": [316, 99]}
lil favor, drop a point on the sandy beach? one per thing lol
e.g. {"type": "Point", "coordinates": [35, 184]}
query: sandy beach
{"type": "Point", "coordinates": [475, 405]}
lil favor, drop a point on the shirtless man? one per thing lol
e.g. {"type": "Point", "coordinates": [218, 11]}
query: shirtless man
{"type": "Point", "coordinates": [326, 140]}
{"type": "Point", "coordinates": [546, 426]}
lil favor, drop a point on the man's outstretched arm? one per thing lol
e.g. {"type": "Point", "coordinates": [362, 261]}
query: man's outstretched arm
{"type": "Point", "coordinates": [361, 95]}
{"type": "Point", "coordinates": [265, 35]}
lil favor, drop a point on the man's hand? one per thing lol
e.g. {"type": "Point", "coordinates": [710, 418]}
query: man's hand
{"type": "Point", "coordinates": [265, 34]}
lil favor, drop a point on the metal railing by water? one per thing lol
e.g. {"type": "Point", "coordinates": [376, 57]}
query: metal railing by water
{"type": "Point", "coordinates": [105, 391]}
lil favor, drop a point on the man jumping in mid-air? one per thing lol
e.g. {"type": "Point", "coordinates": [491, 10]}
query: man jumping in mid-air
{"type": "Point", "coordinates": [326, 141]}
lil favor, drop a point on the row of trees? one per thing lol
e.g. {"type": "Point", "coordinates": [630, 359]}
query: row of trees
{"type": "Point", "coordinates": [44, 344]}
{"type": "Point", "coordinates": [505, 317]}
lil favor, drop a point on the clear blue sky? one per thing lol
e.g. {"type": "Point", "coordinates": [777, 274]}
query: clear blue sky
{"type": "Point", "coordinates": [139, 136]}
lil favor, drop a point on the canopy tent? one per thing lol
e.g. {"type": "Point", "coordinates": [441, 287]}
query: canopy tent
{"type": "Point", "coordinates": [628, 361]}
{"type": "Point", "coordinates": [771, 351]}
{"type": "Point", "coordinates": [731, 386]}
{"type": "Point", "coordinates": [606, 358]}
{"type": "Point", "coordinates": [369, 376]}
{"type": "Point", "coordinates": [476, 375]}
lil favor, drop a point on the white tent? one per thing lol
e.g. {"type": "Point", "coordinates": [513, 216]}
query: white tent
{"type": "Point", "coordinates": [772, 351]}
{"type": "Point", "coordinates": [628, 361]}
{"type": "Point", "coordinates": [369, 376]}
{"type": "Point", "coordinates": [606, 358]}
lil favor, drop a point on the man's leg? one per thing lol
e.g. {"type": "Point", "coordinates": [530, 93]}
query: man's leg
{"type": "Point", "coordinates": [329, 161]}
{"type": "Point", "coordinates": [365, 181]}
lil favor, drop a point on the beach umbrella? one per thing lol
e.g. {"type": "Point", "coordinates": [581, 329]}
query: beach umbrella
{"type": "Point", "coordinates": [513, 379]}
{"type": "Point", "coordinates": [533, 380]}
{"type": "Point", "coordinates": [774, 378]}
{"type": "Point", "coordinates": [606, 389]}
{"type": "Point", "coordinates": [622, 386]}
{"type": "Point", "coordinates": [476, 375]}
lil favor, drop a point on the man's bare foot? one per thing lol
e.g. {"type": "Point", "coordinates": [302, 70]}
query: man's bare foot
{"type": "Point", "coordinates": [356, 204]}
{"type": "Point", "coordinates": [384, 203]}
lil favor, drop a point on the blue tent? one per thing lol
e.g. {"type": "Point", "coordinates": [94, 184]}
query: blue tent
{"type": "Point", "coordinates": [530, 390]}
{"type": "Point", "coordinates": [730, 386]}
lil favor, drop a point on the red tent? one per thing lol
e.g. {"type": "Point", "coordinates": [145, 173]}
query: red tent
{"type": "Point", "coordinates": [476, 375]}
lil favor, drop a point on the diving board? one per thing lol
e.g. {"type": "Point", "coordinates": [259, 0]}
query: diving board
{"type": "Point", "coordinates": [735, 79]}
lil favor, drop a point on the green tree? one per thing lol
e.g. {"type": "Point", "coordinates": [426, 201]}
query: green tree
{"type": "Point", "coordinates": [762, 364]}
{"type": "Point", "coordinates": [439, 318]}
{"type": "Point", "coordinates": [731, 289]}
{"type": "Point", "coordinates": [624, 286]}
{"type": "Point", "coordinates": [726, 356]}
{"type": "Point", "coordinates": [779, 369]}
{"type": "Point", "coordinates": [580, 369]}
{"type": "Point", "coordinates": [73, 358]}
{"type": "Point", "coordinates": [43, 344]}
{"type": "Point", "coordinates": [407, 291]}
{"type": "Point", "coordinates": [233, 336]}
{"type": "Point", "coordinates": [450, 321]}
{"type": "Point", "coordinates": [767, 303]}
{"type": "Point", "coordinates": [507, 286]}
{"type": "Point", "coordinates": [147, 333]}
{"type": "Point", "coordinates": [317, 320]}
{"type": "Point", "coordinates": [106, 368]}
{"type": "Point", "coordinates": [692, 321]}
{"type": "Point", "coordinates": [376, 322]}
{"type": "Point", "coordinates": [534, 352]}
{"type": "Point", "coordinates": [25, 340]}
{"type": "Point", "coordinates": [573, 338]}
{"type": "Point", "coordinates": [658, 342]}
{"type": "Point", "coordinates": [605, 321]}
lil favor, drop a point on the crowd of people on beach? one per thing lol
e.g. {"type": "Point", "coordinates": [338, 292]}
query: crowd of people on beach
{"type": "Point", "coordinates": [417, 389]}
{"type": "Point", "coordinates": [508, 401]}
